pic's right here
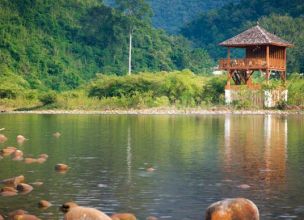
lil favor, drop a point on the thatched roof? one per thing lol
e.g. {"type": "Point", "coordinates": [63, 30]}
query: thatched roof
{"type": "Point", "coordinates": [255, 36]}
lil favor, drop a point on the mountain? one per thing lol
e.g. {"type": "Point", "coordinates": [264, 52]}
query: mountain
{"type": "Point", "coordinates": [171, 15]}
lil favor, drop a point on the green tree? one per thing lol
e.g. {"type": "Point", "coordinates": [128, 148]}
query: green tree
{"type": "Point", "coordinates": [137, 13]}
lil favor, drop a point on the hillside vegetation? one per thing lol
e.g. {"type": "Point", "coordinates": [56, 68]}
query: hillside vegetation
{"type": "Point", "coordinates": [60, 44]}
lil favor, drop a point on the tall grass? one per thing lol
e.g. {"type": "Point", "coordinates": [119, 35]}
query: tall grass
{"type": "Point", "coordinates": [296, 90]}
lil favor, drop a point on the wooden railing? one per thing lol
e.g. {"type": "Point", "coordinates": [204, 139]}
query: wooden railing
{"type": "Point", "coordinates": [247, 63]}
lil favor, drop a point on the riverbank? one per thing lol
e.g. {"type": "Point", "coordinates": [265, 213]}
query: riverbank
{"type": "Point", "coordinates": [165, 111]}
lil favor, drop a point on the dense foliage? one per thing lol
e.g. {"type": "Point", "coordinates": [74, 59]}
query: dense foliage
{"type": "Point", "coordinates": [284, 18]}
{"type": "Point", "coordinates": [177, 88]}
{"type": "Point", "coordinates": [60, 44]}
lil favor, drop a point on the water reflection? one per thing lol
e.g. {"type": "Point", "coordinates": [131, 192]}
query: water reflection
{"type": "Point", "coordinates": [275, 155]}
{"type": "Point", "coordinates": [129, 156]}
{"type": "Point", "coordinates": [265, 163]}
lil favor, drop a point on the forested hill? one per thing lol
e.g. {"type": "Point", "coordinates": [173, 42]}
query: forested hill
{"type": "Point", "coordinates": [60, 44]}
{"type": "Point", "coordinates": [284, 18]}
{"type": "Point", "coordinates": [171, 15]}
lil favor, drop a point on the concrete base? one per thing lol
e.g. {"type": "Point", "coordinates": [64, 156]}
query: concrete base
{"type": "Point", "coordinates": [273, 97]}
{"type": "Point", "coordinates": [266, 98]}
{"type": "Point", "coordinates": [228, 96]}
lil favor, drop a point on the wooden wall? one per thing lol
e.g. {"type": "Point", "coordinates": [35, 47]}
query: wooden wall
{"type": "Point", "coordinates": [276, 55]}
{"type": "Point", "coordinates": [257, 52]}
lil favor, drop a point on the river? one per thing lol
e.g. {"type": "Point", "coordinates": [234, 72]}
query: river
{"type": "Point", "coordinates": [196, 160]}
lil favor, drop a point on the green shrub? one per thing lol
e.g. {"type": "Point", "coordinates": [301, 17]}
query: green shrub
{"type": "Point", "coordinates": [214, 90]}
{"type": "Point", "coordinates": [48, 98]}
{"type": "Point", "coordinates": [282, 105]}
{"type": "Point", "coordinates": [296, 89]}
{"type": "Point", "coordinates": [11, 85]}
{"type": "Point", "coordinates": [143, 89]}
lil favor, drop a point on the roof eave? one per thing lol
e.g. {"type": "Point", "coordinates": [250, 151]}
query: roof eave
{"type": "Point", "coordinates": [258, 44]}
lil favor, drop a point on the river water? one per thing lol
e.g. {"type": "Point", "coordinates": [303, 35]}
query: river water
{"type": "Point", "coordinates": [197, 160]}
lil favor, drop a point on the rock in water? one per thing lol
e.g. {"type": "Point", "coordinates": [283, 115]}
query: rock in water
{"type": "Point", "coordinates": [20, 139]}
{"type": "Point", "coordinates": [44, 204]}
{"type": "Point", "coordinates": [232, 209]}
{"type": "Point", "coordinates": [25, 217]}
{"type": "Point", "coordinates": [123, 216]}
{"type": "Point", "coordinates": [56, 134]}
{"type": "Point", "coordinates": [74, 212]}
{"type": "Point", "coordinates": [14, 181]}
{"type": "Point", "coordinates": [24, 188]}
{"type": "Point", "coordinates": [60, 167]}
{"type": "Point", "coordinates": [3, 138]}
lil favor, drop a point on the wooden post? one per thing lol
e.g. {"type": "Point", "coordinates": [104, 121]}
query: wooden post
{"type": "Point", "coordinates": [228, 57]}
{"type": "Point", "coordinates": [285, 63]}
{"type": "Point", "coordinates": [267, 63]}
{"type": "Point", "coordinates": [229, 71]}
{"type": "Point", "coordinates": [228, 79]}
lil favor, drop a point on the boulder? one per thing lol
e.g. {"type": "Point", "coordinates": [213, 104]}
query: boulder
{"type": "Point", "coordinates": [73, 211]}
{"type": "Point", "coordinates": [232, 209]}
{"type": "Point", "coordinates": [24, 188]}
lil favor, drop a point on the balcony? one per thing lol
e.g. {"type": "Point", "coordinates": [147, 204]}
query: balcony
{"type": "Point", "coordinates": [243, 64]}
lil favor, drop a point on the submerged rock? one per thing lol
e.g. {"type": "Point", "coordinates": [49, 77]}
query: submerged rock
{"type": "Point", "coordinates": [243, 186]}
{"type": "Point", "coordinates": [38, 183]}
{"type": "Point", "coordinates": [20, 139]}
{"type": "Point", "coordinates": [44, 204]}
{"type": "Point", "coordinates": [3, 138]}
{"type": "Point", "coordinates": [232, 209]}
{"type": "Point", "coordinates": [8, 193]}
{"type": "Point", "coordinates": [60, 167]}
{"type": "Point", "coordinates": [7, 151]}
{"type": "Point", "coordinates": [56, 134]}
{"type": "Point", "coordinates": [25, 217]}
{"type": "Point", "coordinates": [12, 214]}
{"type": "Point", "coordinates": [30, 160]}
{"type": "Point", "coordinates": [14, 181]}
{"type": "Point", "coordinates": [17, 155]}
{"type": "Point", "coordinates": [123, 216]}
{"type": "Point", "coordinates": [151, 218]}
{"type": "Point", "coordinates": [150, 169]}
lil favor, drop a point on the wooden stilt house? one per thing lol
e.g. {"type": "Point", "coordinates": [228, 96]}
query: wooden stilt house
{"type": "Point", "coordinates": [264, 52]}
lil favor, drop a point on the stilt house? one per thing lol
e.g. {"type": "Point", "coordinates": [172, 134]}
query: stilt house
{"type": "Point", "coordinates": [264, 52]}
